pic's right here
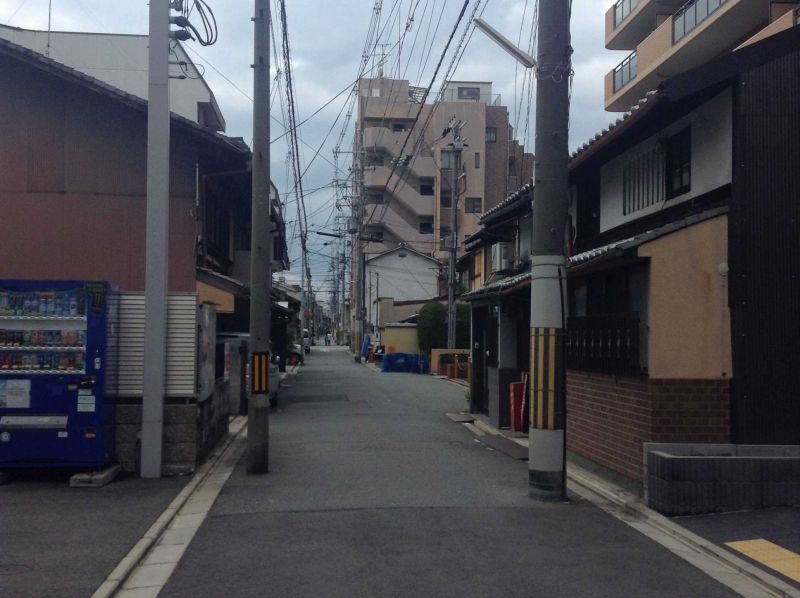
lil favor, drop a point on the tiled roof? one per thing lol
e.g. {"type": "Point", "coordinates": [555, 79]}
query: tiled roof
{"type": "Point", "coordinates": [650, 97]}
{"type": "Point", "coordinates": [508, 201]}
{"type": "Point", "coordinates": [617, 247]}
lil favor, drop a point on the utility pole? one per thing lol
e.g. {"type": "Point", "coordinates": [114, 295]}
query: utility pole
{"type": "Point", "coordinates": [344, 289]}
{"type": "Point", "coordinates": [156, 240]}
{"type": "Point", "coordinates": [458, 146]}
{"type": "Point", "coordinates": [260, 251]}
{"type": "Point", "coordinates": [547, 457]}
{"type": "Point", "coordinates": [377, 302]}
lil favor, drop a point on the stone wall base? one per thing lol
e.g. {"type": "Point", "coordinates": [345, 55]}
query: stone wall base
{"type": "Point", "coordinates": [191, 430]}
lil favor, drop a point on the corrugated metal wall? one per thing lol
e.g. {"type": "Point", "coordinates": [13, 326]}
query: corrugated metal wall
{"type": "Point", "coordinates": [765, 254]}
{"type": "Point", "coordinates": [128, 364]}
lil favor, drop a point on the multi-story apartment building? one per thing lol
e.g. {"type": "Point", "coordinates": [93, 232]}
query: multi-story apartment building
{"type": "Point", "coordinates": [670, 37]}
{"type": "Point", "coordinates": [406, 167]}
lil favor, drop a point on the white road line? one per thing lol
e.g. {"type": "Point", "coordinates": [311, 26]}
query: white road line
{"type": "Point", "coordinates": [146, 569]}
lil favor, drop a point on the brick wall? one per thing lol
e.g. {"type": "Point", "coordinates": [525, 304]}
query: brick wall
{"type": "Point", "coordinates": [609, 417]}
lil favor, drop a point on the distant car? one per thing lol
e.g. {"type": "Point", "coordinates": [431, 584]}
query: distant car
{"type": "Point", "coordinates": [306, 341]}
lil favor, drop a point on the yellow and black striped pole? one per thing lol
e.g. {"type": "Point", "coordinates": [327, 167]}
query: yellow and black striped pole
{"type": "Point", "coordinates": [549, 230]}
{"type": "Point", "coordinates": [546, 392]}
{"type": "Point", "coordinates": [259, 373]}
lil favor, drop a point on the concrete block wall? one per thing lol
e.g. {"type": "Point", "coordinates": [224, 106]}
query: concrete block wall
{"type": "Point", "coordinates": [692, 484]}
{"type": "Point", "coordinates": [610, 417]}
{"type": "Point", "coordinates": [180, 449]}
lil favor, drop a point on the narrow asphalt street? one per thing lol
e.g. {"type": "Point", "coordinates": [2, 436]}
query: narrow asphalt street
{"type": "Point", "coordinates": [373, 491]}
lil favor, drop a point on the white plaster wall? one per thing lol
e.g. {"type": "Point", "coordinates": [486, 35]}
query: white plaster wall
{"type": "Point", "coordinates": [403, 279]}
{"type": "Point", "coordinates": [712, 160]}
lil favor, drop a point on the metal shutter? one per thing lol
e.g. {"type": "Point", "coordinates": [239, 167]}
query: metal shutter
{"type": "Point", "coordinates": [181, 369]}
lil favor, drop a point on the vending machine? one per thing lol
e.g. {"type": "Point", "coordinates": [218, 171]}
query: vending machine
{"type": "Point", "coordinates": [54, 340]}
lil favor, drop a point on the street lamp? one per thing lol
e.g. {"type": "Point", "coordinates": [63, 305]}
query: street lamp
{"type": "Point", "coordinates": [523, 58]}
{"type": "Point", "coordinates": [547, 440]}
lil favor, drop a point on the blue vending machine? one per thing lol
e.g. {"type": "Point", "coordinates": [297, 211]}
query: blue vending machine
{"type": "Point", "coordinates": [54, 337]}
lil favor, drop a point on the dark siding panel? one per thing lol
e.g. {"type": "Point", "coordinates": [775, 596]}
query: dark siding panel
{"type": "Point", "coordinates": [765, 255]}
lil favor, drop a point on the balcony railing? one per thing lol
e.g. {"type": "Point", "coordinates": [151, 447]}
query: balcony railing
{"type": "Point", "coordinates": [608, 343]}
{"type": "Point", "coordinates": [692, 14]}
{"type": "Point", "coordinates": [625, 72]}
{"type": "Point", "coordinates": [622, 10]}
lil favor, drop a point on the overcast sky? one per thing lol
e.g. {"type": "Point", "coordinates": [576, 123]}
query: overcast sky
{"type": "Point", "coordinates": [327, 39]}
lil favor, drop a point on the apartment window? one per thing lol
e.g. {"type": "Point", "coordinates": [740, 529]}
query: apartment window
{"type": "Point", "coordinates": [426, 226]}
{"type": "Point", "coordinates": [473, 205]}
{"type": "Point", "coordinates": [678, 164]}
{"type": "Point", "coordinates": [691, 15]}
{"type": "Point", "coordinates": [445, 199]}
{"type": "Point", "coordinates": [491, 134]}
{"type": "Point", "coordinates": [643, 181]}
{"type": "Point", "coordinates": [426, 187]}
{"type": "Point", "coordinates": [375, 236]}
{"type": "Point", "coordinates": [448, 159]}
{"type": "Point", "coordinates": [374, 198]}
{"type": "Point", "coordinates": [469, 93]}
{"type": "Point", "coordinates": [622, 9]}
{"type": "Point", "coordinates": [374, 160]}
{"type": "Point", "coordinates": [477, 160]}
{"type": "Point", "coordinates": [399, 127]}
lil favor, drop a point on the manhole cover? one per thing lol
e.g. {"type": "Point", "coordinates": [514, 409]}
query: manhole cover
{"type": "Point", "coordinates": [12, 569]}
{"type": "Point", "coordinates": [318, 398]}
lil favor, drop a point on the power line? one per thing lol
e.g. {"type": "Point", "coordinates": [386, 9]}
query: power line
{"type": "Point", "coordinates": [419, 112]}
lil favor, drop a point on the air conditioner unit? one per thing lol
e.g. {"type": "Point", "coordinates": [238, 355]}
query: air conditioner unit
{"type": "Point", "coordinates": [502, 256]}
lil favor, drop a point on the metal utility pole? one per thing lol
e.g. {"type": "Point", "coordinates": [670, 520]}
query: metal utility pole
{"type": "Point", "coordinates": [458, 146]}
{"type": "Point", "coordinates": [156, 240]}
{"type": "Point", "coordinates": [547, 462]}
{"type": "Point", "coordinates": [260, 252]}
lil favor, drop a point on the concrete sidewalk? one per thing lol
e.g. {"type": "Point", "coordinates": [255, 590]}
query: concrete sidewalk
{"type": "Point", "coordinates": [765, 543]}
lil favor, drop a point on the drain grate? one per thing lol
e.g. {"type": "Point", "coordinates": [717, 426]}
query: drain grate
{"type": "Point", "coordinates": [321, 398]}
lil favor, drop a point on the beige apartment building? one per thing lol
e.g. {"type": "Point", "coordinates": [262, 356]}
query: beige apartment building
{"type": "Point", "coordinates": [407, 166]}
{"type": "Point", "coordinates": [670, 37]}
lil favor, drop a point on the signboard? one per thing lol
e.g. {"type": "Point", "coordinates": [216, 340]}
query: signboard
{"type": "Point", "coordinates": [259, 373]}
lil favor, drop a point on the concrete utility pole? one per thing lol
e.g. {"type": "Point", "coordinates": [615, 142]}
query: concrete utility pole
{"type": "Point", "coordinates": [156, 240]}
{"type": "Point", "coordinates": [547, 456]}
{"type": "Point", "coordinates": [458, 147]}
{"type": "Point", "coordinates": [547, 463]}
{"type": "Point", "coordinates": [260, 252]}
{"type": "Point", "coordinates": [342, 306]}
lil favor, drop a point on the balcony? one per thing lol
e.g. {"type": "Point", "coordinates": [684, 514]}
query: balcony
{"type": "Point", "coordinates": [629, 22]}
{"type": "Point", "coordinates": [406, 192]}
{"type": "Point", "coordinates": [608, 343]}
{"type": "Point", "coordinates": [625, 72]}
{"type": "Point", "coordinates": [698, 32]}
{"type": "Point", "coordinates": [386, 140]}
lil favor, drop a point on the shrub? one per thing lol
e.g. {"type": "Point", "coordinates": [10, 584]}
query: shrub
{"type": "Point", "coordinates": [432, 327]}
